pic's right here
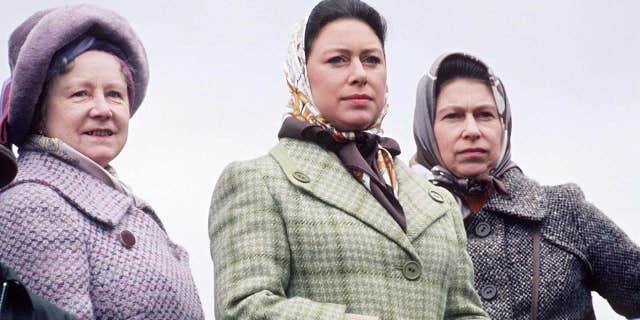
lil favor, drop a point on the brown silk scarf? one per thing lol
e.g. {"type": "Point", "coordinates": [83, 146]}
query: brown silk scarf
{"type": "Point", "coordinates": [363, 156]}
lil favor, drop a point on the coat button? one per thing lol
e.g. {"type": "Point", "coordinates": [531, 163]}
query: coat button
{"type": "Point", "coordinates": [436, 196]}
{"type": "Point", "coordinates": [412, 270]}
{"type": "Point", "coordinates": [483, 229]}
{"type": "Point", "coordinates": [127, 238]}
{"type": "Point", "coordinates": [488, 292]}
{"type": "Point", "coordinates": [301, 177]}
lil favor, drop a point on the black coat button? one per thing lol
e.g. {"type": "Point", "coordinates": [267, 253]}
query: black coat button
{"type": "Point", "coordinates": [483, 229]}
{"type": "Point", "coordinates": [412, 270]}
{"type": "Point", "coordinates": [488, 292]}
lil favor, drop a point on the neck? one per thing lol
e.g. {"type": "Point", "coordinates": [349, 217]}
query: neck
{"type": "Point", "coordinates": [476, 202]}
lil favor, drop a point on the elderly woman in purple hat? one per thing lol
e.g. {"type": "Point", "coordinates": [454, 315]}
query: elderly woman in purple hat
{"type": "Point", "coordinates": [74, 233]}
{"type": "Point", "coordinates": [538, 251]}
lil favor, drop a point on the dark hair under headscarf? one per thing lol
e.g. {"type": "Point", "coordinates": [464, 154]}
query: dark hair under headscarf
{"type": "Point", "coordinates": [448, 67]}
{"type": "Point", "coordinates": [328, 11]}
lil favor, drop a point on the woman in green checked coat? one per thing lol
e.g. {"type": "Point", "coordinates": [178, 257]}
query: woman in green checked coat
{"type": "Point", "coordinates": [329, 224]}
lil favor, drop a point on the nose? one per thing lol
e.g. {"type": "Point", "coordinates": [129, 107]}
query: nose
{"type": "Point", "coordinates": [471, 130]}
{"type": "Point", "coordinates": [358, 74]}
{"type": "Point", "coordinates": [100, 108]}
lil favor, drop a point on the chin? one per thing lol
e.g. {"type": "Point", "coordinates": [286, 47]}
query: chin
{"type": "Point", "coordinates": [355, 124]}
{"type": "Point", "coordinates": [102, 158]}
{"type": "Point", "coordinates": [470, 172]}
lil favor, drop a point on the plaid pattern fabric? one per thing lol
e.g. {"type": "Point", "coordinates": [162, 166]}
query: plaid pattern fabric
{"type": "Point", "coordinates": [581, 250]}
{"type": "Point", "coordinates": [62, 233]}
{"type": "Point", "coordinates": [295, 236]}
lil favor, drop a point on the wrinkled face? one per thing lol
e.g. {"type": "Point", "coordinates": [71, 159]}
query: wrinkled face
{"type": "Point", "coordinates": [467, 128]}
{"type": "Point", "coordinates": [88, 107]}
{"type": "Point", "coordinates": [348, 74]}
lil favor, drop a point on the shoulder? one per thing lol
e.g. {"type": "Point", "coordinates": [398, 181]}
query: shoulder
{"type": "Point", "coordinates": [417, 177]}
{"type": "Point", "coordinates": [567, 205]}
{"type": "Point", "coordinates": [29, 207]}
{"type": "Point", "coordinates": [248, 170]}
{"type": "Point", "coordinates": [421, 170]}
{"type": "Point", "coordinates": [564, 201]}
{"type": "Point", "coordinates": [523, 185]}
{"type": "Point", "coordinates": [566, 195]}
{"type": "Point", "coordinates": [287, 150]}
{"type": "Point", "coordinates": [556, 201]}
{"type": "Point", "coordinates": [30, 197]}
{"type": "Point", "coordinates": [244, 180]}
{"type": "Point", "coordinates": [571, 220]}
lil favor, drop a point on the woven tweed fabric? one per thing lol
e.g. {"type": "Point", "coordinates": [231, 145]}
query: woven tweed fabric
{"type": "Point", "coordinates": [294, 236]}
{"type": "Point", "coordinates": [581, 251]}
{"type": "Point", "coordinates": [61, 227]}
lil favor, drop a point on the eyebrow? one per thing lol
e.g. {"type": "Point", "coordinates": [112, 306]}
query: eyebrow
{"type": "Point", "coordinates": [77, 83]}
{"type": "Point", "coordinates": [344, 50]}
{"type": "Point", "coordinates": [88, 83]}
{"type": "Point", "coordinates": [456, 107]}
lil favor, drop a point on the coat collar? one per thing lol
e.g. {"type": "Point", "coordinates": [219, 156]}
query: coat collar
{"type": "Point", "coordinates": [421, 211]}
{"type": "Point", "coordinates": [318, 172]}
{"type": "Point", "coordinates": [526, 198]}
{"type": "Point", "coordinates": [85, 192]}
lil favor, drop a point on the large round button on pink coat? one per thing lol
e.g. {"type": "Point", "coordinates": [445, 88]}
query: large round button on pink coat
{"type": "Point", "coordinates": [127, 238]}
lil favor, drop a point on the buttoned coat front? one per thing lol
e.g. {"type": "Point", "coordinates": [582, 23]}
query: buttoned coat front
{"type": "Point", "coordinates": [580, 251]}
{"type": "Point", "coordinates": [295, 236]}
{"type": "Point", "coordinates": [65, 233]}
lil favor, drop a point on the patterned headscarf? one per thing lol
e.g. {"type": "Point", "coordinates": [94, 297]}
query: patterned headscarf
{"type": "Point", "coordinates": [303, 108]}
{"type": "Point", "coordinates": [427, 148]}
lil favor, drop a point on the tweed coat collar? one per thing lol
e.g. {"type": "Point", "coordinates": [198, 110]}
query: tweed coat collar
{"type": "Point", "coordinates": [86, 193]}
{"type": "Point", "coordinates": [526, 199]}
{"type": "Point", "coordinates": [318, 172]}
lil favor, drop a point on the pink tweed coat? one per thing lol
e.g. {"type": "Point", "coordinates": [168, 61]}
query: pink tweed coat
{"type": "Point", "coordinates": [90, 249]}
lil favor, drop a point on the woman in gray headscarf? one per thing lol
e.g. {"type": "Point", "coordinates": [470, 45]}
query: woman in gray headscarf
{"type": "Point", "coordinates": [538, 251]}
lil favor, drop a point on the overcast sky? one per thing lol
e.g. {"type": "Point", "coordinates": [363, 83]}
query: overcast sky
{"type": "Point", "coordinates": [217, 94]}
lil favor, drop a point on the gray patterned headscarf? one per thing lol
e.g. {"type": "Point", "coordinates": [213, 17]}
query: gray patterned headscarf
{"type": "Point", "coordinates": [427, 149]}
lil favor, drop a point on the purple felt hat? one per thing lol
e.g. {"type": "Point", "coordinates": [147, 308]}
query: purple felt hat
{"type": "Point", "coordinates": [35, 42]}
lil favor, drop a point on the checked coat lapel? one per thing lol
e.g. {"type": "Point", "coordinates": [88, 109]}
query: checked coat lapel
{"type": "Point", "coordinates": [321, 174]}
{"type": "Point", "coordinates": [419, 210]}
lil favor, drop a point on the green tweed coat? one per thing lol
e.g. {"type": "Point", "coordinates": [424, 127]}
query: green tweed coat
{"type": "Point", "coordinates": [295, 236]}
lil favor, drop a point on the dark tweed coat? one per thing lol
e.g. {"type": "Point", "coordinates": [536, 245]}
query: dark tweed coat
{"type": "Point", "coordinates": [581, 251]}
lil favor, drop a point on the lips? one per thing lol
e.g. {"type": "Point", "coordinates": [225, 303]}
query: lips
{"type": "Point", "coordinates": [473, 152]}
{"type": "Point", "coordinates": [100, 132]}
{"type": "Point", "coordinates": [358, 96]}
{"type": "Point", "coordinates": [358, 99]}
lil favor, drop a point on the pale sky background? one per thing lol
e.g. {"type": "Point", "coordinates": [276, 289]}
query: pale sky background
{"type": "Point", "coordinates": [217, 94]}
